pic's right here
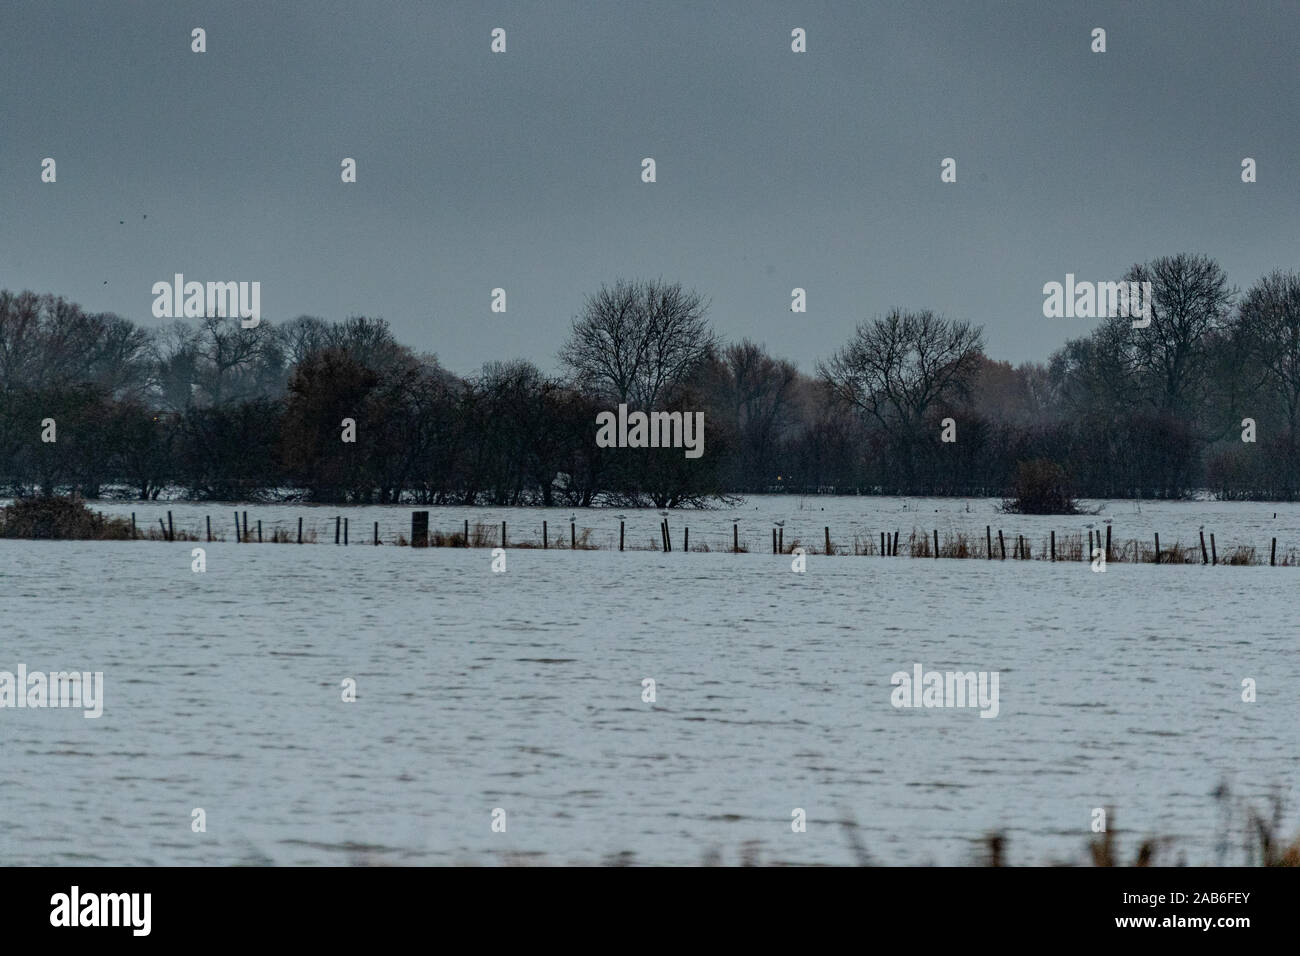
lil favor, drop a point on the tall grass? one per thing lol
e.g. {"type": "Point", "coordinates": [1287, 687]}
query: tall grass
{"type": "Point", "coordinates": [1257, 835]}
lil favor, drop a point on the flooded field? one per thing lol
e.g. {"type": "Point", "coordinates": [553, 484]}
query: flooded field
{"type": "Point", "coordinates": [805, 519]}
{"type": "Point", "coordinates": [523, 691]}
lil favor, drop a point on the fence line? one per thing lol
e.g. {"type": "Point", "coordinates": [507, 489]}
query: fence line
{"type": "Point", "coordinates": [992, 545]}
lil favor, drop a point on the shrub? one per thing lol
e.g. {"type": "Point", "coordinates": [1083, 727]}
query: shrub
{"type": "Point", "coordinates": [59, 519]}
{"type": "Point", "coordinates": [1041, 488]}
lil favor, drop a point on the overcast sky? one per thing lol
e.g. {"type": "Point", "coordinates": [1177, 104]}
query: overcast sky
{"type": "Point", "coordinates": [523, 170]}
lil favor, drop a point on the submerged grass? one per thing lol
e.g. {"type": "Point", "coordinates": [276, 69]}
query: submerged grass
{"type": "Point", "coordinates": [1257, 837]}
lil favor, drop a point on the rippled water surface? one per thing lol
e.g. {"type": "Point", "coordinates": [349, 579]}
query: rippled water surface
{"type": "Point", "coordinates": [523, 691]}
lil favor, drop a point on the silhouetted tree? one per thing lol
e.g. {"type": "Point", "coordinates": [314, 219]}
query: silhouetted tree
{"type": "Point", "coordinates": [896, 370]}
{"type": "Point", "coordinates": [636, 341]}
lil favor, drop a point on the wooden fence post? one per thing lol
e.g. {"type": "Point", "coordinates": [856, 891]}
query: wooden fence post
{"type": "Point", "coordinates": [573, 535]}
{"type": "Point", "coordinates": [828, 539]}
{"type": "Point", "coordinates": [467, 532]}
{"type": "Point", "coordinates": [1214, 554]}
{"type": "Point", "coordinates": [208, 518]}
{"type": "Point", "coordinates": [1205, 558]}
{"type": "Point", "coordinates": [544, 544]}
{"type": "Point", "coordinates": [1107, 542]}
{"type": "Point", "coordinates": [419, 529]}
{"type": "Point", "coordinates": [300, 529]}
{"type": "Point", "coordinates": [686, 539]}
{"type": "Point", "coordinates": [1272, 554]}
{"type": "Point", "coordinates": [988, 540]}
{"type": "Point", "coordinates": [259, 530]}
{"type": "Point", "coordinates": [376, 534]}
{"type": "Point", "coordinates": [238, 537]}
{"type": "Point", "coordinates": [936, 544]}
{"type": "Point", "coordinates": [132, 525]}
{"type": "Point", "coordinates": [1157, 534]}
{"type": "Point", "coordinates": [503, 534]}
{"type": "Point", "coordinates": [620, 536]}
{"type": "Point", "coordinates": [1053, 545]}
{"type": "Point", "coordinates": [1002, 544]}
{"type": "Point", "coordinates": [338, 527]}
{"type": "Point", "coordinates": [345, 532]}
{"type": "Point", "coordinates": [774, 541]}
{"type": "Point", "coordinates": [735, 538]}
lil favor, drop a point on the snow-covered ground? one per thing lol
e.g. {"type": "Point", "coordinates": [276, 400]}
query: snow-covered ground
{"type": "Point", "coordinates": [523, 691]}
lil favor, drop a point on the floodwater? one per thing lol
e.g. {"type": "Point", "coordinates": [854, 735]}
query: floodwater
{"type": "Point", "coordinates": [523, 691]}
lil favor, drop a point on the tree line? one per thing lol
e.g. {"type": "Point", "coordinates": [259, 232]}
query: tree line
{"type": "Point", "coordinates": [228, 413]}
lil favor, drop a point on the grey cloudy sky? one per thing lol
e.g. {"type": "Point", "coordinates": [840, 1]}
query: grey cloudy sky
{"type": "Point", "coordinates": [522, 170]}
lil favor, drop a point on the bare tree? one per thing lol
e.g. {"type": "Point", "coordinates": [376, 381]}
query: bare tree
{"type": "Point", "coordinates": [238, 363]}
{"type": "Point", "coordinates": [1097, 374]}
{"type": "Point", "coordinates": [758, 394]}
{"type": "Point", "coordinates": [176, 364]}
{"type": "Point", "coordinates": [1268, 324]}
{"type": "Point", "coordinates": [19, 335]}
{"type": "Point", "coordinates": [1190, 305]}
{"type": "Point", "coordinates": [637, 341]}
{"type": "Point", "coordinates": [48, 342]}
{"type": "Point", "coordinates": [119, 355]}
{"type": "Point", "coordinates": [898, 368]}
{"type": "Point", "coordinates": [61, 343]}
{"type": "Point", "coordinates": [369, 341]}
{"type": "Point", "coordinates": [1267, 336]}
{"type": "Point", "coordinates": [302, 336]}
